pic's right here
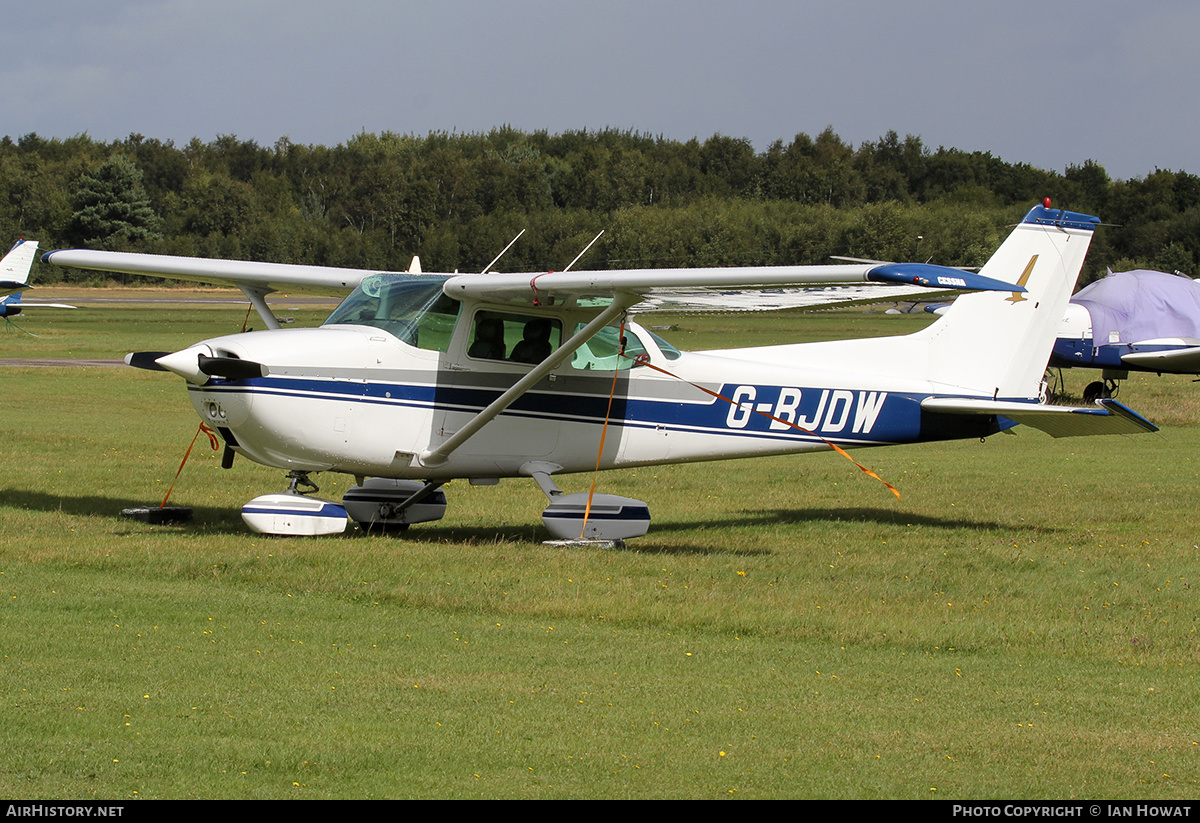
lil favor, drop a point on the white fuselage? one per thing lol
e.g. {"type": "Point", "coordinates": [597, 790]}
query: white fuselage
{"type": "Point", "coordinates": [356, 399]}
{"type": "Point", "coordinates": [434, 377]}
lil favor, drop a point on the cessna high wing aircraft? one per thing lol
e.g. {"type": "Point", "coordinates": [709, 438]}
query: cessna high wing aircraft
{"type": "Point", "coordinates": [418, 379]}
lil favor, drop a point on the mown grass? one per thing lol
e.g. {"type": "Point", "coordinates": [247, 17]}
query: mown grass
{"type": "Point", "coordinates": [1022, 623]}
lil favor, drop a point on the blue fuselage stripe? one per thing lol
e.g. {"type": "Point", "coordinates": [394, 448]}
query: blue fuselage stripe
{"type": "Point", "coordinates": [846, 416]}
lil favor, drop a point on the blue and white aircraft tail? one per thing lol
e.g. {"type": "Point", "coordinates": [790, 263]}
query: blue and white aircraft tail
{"type": "Point", "coordinates": [985, 357]}
{"type": "Point", "coordinates": [998, 346]}
{"type": "Point", "coordinates": [14, 278]}
{"type": "Point", "coordinates": [14, 267]}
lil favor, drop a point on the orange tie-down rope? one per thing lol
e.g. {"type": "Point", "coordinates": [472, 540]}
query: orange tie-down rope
{"type": "Point", "coordinates": [648, 364]}
{"type": "Point", "coordinates": [587, 510]}
{"type": "Point", "coordinates": [769, 416]}
{"type": "Point", "coordinates": [212, 441]}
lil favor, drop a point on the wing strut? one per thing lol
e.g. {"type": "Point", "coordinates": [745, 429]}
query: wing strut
{"type": "Point", "coordinates": [257, 297]}
{"type": "Point", "coordinates": [436, 457]}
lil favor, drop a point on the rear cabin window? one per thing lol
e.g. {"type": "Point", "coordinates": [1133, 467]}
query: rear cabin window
{"type": "Point", "coordinates": [602, 351]}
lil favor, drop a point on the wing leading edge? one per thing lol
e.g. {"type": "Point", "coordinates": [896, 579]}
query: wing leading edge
{"type": "Point", "coordinates": [662, 285]}
{"type": "Point", "coordinates": [267, 277]}
{"type": "Point", "coordinates": [662, 288]}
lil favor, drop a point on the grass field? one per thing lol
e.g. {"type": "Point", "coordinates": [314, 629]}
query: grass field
{"type": "Point", "coordinates": [1021, 624]}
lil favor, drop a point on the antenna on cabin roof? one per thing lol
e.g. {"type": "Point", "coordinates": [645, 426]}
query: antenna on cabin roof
{"type": "Point", "coordinates": [585, 248]}
{"type": "Point", "coordinates": [501, 254]}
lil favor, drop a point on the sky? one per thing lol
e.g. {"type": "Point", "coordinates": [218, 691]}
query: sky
{"type": "Point", "coordinates": [1048, 84]}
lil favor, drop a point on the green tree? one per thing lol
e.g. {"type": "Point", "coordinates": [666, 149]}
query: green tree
{"type": "Point", "coordinates": [112, 210]}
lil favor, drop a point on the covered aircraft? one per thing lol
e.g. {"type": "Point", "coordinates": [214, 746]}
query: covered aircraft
{"type": "Point", "coordinates": [419, 379]}
{"type": "Point", "coordinates": [1131, 321]}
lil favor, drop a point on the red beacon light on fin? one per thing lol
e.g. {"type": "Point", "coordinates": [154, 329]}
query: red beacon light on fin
{"type": "Point", "coordinates": [1046, 202]}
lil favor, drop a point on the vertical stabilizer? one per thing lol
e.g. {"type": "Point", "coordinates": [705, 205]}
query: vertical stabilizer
{"type": "Point", "coordinates": [14, 268]}
{"type": "Point", "coordinates": [996, 344]}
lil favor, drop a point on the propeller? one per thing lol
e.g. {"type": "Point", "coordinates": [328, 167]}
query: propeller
{"type": "Point", "coordinates": [194, 365]}
{"type": "Point", "coordinates": [231, 368]}
{"type": "Point", "coordinates": [146, 360]}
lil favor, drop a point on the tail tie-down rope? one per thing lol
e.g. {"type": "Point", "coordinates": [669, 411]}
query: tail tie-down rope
{"type": "Point", "coordinates": [644, 361]}
{"type": "Point", "coordinates": [769, 416]}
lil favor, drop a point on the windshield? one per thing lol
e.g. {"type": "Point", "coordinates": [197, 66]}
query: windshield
{"type": "Point", "coordinates": [410, 306]}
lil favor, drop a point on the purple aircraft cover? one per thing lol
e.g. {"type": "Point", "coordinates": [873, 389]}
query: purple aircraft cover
{"type": "Point", "coordinates": [1142, 305]}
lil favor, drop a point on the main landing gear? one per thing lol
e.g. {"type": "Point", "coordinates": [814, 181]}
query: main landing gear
{"type": "Point", "coordinates": [382, 504]}
{"type": "Point", "coordinates": [588, 518]}
{"type": "Point", "coordinates": [376, 503]}
{"type": "Point", "coordinates": [1109, 386]}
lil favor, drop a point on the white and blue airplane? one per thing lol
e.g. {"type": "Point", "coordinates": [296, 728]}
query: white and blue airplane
{"type": "Point", "coordinates": [14, 279]}
{"type": "Point", "coordinates": [419, 379]}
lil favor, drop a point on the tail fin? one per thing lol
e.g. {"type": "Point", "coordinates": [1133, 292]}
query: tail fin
{"type": "Point", "coordinates": [14, 268]}
{"type": "Point", "coordinates": [996, 344]}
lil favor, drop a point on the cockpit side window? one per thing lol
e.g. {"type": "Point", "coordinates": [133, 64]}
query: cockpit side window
{"type": "Point", "coordinates": [518, 338]}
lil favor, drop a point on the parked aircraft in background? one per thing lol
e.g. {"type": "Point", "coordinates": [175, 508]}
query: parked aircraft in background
{"type": "Point", "coordinates": [15, 265]}
{"type": "Point", "coordinates": [418, 379]}
{"type": "Point", "coordinates": [1131, 321]}
{"type": "Point", "coordinates": [14, 279]}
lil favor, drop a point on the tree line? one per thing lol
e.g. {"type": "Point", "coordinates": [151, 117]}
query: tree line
{"type": "Point", "coordinates": [457, 199]}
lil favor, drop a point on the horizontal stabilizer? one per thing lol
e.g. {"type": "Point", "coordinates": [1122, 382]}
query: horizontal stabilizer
{"type": "Point", "coordinates": [17, 304]}
{"type": "Point", "coordinates": [1057, 421]}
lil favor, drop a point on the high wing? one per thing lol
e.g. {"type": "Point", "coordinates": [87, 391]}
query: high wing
{"type": "Point", "coordinates": [669, 288]}
{"type": "Point", "coordinates": [255, 280]}
{"type": "Point", "coordinates": [267, 277]}
{"type": "Point", "coordinates": [655, 288]}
